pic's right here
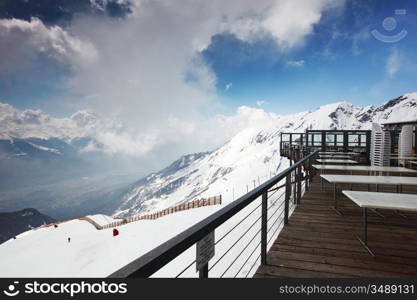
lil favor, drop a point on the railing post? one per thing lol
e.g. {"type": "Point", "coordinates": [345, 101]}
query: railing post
{"type": "Point", "coordinates": [294, 186]}
{"type": "Point", "coordinates": [264, 227]}
{"type": "Point", "coordinates": [299, 184]}
{"type": "Point", "coordinates": [203, 273]}
{"type": "Point", "coordinates": [205, 250]}
{"type": "Point", "coordinates": [306, 174]}
{"type": "Point", "coordinates": [287, 197]}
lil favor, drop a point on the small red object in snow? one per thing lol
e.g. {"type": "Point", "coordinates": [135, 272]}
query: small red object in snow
{"type": "Point", "coordinates": [115, 232]}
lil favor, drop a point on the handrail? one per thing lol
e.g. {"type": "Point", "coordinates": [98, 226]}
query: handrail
{"type": "Point", "coordinates": [155, 259]}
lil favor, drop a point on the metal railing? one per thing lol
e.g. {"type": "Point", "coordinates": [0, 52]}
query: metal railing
{"type": "Point", "coordinates": [271, 217]}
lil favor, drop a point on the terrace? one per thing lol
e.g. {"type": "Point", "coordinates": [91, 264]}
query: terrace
{"type": "Point", "coordinates": [317, 242]}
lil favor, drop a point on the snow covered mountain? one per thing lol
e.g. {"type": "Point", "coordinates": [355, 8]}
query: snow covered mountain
{"type": "Point", "coordinates": [252, 156]}
{"type": "Point", "coordinates": [14, 223]}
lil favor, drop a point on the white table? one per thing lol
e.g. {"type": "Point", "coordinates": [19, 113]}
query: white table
{"type": "Point", "coordinates": [335, 156]}
{"type": "Point", "coordinates": [376, 180]}
{"type": "Point", "coordinates": [339, 153]}
{"type": "Point", "coordinates": [370, 200]}
{"type": "Point", "coordinates": [392, 201]}
{"type": "Point", "coordinates": [337, 161]}
{"type": "Point", "coordinates": [368, 169]}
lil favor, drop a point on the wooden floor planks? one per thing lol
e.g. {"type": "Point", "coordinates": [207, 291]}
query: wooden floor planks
{"type": "Point", "coordinates": [319, 243]}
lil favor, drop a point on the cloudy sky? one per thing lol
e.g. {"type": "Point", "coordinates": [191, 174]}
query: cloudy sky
{"type": "Point", "coordinates": [172, 70]}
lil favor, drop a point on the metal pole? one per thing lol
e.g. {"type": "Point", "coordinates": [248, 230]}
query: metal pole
{"type": "Point", "coordinates": [365, 225]}
{"type": "Point", "coordinates": [310, 170]}
{"type": "Point", "coordinates": [306, 175]}
{"type": "Point", "coordinates": [287, 197]}
{"type": "Point", "coordinates": [299, 184]}
{"type": "Point", "coordinates": [203, 272]}
{"type": "Point", "coordinates": [295, 186]}
{"type": "Point", "coordinates": [264, 227]}
{"type": "Point", "coordinates": [364, 242]}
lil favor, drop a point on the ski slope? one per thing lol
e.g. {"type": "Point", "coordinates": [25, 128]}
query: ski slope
{"type": "Point", "coordinates": [46, 252]}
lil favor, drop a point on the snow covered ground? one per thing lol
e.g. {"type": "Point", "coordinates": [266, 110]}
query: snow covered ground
{"type": "Point", "coordinates": [46, 252]}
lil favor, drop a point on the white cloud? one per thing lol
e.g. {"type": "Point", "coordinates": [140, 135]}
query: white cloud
{"type": "Point", "coordinates": [287, 21]}
{"type": "Point", "coordinates": [290, 21]}
{"type": "Point", "coordinates": [245, 117]}
{"type": "Point", "coordinates": [394, 62]}
{"type": "Point", "coordinates": [246, 28]}
{"type": "Point", "coordinates": [145, 70]}
{"type": "Point", "coordinates": [228, 86]}
{"type": "Point", "coordinates": [116, 138]}
{"type": "Point", "coordinates": [359, 37]}
{"type": "Point", "coordinates": [22, 41]}
{"type": "Point", "coordinates": [295, 63]}
{"type": "Point", "coordinates": [260, 102]}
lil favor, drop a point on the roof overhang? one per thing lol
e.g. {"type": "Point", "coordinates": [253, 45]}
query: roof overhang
{"type": "Point", "coordinates": [399, 123]}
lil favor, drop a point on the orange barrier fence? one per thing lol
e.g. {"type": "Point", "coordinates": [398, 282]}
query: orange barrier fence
{"type": "Point", "coordinates": [185, 206]}
{"type": "Point", "coordinates": [181, 207]}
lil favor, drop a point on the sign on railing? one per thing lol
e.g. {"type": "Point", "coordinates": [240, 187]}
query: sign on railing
{"type": "Point", "coordinates": [205, 251]}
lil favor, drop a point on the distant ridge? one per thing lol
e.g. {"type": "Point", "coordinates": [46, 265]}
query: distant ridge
{"type": "Point", "coordinates": [14, 223]}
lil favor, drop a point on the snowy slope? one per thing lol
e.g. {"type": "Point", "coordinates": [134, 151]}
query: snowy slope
{"type": "Point", "coordinates": [252, 155]}
{"type": "Point", "coordinates": [45, 252]}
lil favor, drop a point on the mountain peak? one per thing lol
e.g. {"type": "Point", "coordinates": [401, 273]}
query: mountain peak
{"type": "Point", "coordinates": [411, 96]}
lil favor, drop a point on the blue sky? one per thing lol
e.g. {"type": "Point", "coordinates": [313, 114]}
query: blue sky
{"type": "Point", "coordinates": [338, 60]}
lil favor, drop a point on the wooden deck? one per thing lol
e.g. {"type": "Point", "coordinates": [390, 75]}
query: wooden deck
{"type": "Point", "coordinates": [319, 243]}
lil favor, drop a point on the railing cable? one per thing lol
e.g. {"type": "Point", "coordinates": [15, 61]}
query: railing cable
{"type": "Point", "coordinates": [234, 244]}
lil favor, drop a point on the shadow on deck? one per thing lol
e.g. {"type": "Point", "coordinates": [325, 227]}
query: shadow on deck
{"type": "Point", "coordinates": [319, 243]}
